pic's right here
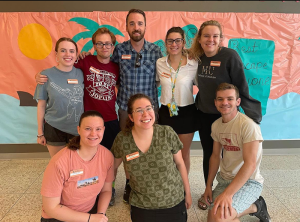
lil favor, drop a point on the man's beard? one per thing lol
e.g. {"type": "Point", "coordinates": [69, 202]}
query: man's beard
{"type": "Point", "coordinates": [137, 38]}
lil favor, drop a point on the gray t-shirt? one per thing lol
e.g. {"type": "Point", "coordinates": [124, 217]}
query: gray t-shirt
{"type": "Point", "coordinates": [64, 98]}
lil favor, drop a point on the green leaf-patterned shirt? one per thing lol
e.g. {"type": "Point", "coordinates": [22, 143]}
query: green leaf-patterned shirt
{"type": "Point", "coordinates": [155, 180]}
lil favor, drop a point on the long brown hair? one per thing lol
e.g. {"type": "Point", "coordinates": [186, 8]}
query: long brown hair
{"type": "Point", "coordinates": [132, 99]}
{"type": "Point", "coordinates": [74, 143]}
{"type": "Point", "coordinates": [196, 51]}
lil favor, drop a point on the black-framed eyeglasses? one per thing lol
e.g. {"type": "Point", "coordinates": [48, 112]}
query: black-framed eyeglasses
{"type": "Point", "coordinates": [178, 41]}
{"type": "Point", "coordinates": [137, 60]}
{"type": "Point", "coordinates": [100, 45]}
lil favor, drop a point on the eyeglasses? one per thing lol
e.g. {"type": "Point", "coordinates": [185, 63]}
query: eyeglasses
{"type": "Point", "coordinates": [177, 41]}
{"type": "Point", "coordinates": [137, 60]}
{"type": "Point", "coordinates": [100, 45]}
{"type": "Point", "coordinates": [141, 111]}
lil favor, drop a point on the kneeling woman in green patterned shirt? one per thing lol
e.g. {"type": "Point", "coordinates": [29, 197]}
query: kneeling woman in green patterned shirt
{"type": "Point", "coordinates": [152, 156]}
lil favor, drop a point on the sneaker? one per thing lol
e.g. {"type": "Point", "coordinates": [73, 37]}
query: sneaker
{"type": "Point", "coordinates": [113, 197]}
{"type": "Point", "coordinates": [262, 212]}
{"type": "Point", "coordinates": [127, 191]}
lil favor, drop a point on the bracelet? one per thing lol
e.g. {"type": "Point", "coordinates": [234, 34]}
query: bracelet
{"type": "Point", "coordinates": [102, 213]}
{"type": "Point", "coordinates": [39, 136]}
{"type": "Point", "coordinates": [89, 218]}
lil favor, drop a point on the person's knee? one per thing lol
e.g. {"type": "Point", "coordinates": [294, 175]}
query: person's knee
{"type": "Point", "coordinates": [217, 217]}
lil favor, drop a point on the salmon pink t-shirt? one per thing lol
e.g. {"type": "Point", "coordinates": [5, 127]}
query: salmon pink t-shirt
{"type": "Point", "coordinates": [75, 181]}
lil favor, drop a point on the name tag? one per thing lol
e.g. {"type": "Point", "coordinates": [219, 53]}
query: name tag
{"type": "Point", "coordinates": [126, 56]}
{"type": "Point", "coordinates": [215, 63]}
{"type": "Point", "coordinates": [72, 81]}
{"type": "Point", "coordinates": [132, 156]}
{"type": "Point", "coordinates": [74, 173]}
{"type": "Point", "coordinates": [166, 75]}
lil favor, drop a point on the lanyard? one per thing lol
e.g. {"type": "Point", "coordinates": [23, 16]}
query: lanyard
{"type": "Point", "coordinates": [173, 83]}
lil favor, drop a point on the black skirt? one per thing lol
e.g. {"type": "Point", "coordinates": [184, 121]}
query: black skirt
{"type": "Point", "coordinates": [186, 121]}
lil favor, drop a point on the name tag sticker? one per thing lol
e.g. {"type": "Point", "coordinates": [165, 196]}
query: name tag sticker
{"type": "Point", "coordinates": [132, 156]}
{"type": "Point", "coordinates": [74, 173]}
{"type": "Point", "coordinates": [72, 81]}
{"type": "Point", "coordinates": [126, 56]}
{"type": "Point", "coordinates": [215, 63]}
{"type": "Point", "coordinates": [166, 75]}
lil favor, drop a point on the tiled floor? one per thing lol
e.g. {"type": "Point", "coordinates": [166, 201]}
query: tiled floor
{"type": "Point", "coordinates": [20, 183]}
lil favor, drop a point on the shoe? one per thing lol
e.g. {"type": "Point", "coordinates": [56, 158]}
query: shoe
{"type": "Point", "coordinates": [127, 191]}
{"type": "Point", "coordinates": [262, 212]}
{"type": "Point", "coordinates": [201, 203]}
{"type": "Point", "coordinates": [113, 197]}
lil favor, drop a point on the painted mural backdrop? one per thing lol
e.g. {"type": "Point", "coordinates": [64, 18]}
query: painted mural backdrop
{"type": "Point", "coordinates": [268, 44]}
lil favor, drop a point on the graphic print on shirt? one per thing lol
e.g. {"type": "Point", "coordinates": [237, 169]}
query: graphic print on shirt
{"type": "Point", "coordinates": [75, 97]}
{"type": "Point", "coordinates": [87, 182]}
{"type": "Point", "coordinates": [229, 141]}
{"type": "Point", "coordinates": [207, 72]}
{"type": "Point", "coordinates": [103, 82]}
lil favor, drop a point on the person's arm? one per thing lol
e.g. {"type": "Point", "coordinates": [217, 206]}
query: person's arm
{"type": "Point", "coordinates": [53, 208]}
{"type": "Point", "coordinates": [117, 163]}
{"type": "Point", "coordinates": [224, 200]}
{"type": "Point", "coordinates": [104, 197]}
{"type": "Point", "coordinates": [157, 80]}
{"type": "Point", "coordinates": [41, 107]}
{"type": "Point", "coordinates": [214, 163]}
{"type": "Point", "coordinates": [83, 54]}
{"type": "Point", "coordinates": [40, 79]}
{"type": "Point", "coordinates": [251, 106]}
{"type": "Point", "coordinates": [183, 172]}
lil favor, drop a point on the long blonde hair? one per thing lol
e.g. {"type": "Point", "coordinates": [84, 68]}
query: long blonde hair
{"type": "Point", "coordinates": [196, 51]}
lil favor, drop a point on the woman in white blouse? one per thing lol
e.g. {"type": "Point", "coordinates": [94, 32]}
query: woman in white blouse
{"type": "Point", "coordinates": [176, 74]}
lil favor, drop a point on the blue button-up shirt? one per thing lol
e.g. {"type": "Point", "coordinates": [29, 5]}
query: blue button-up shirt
{"type": "Point", "coordinates": [136, 79]}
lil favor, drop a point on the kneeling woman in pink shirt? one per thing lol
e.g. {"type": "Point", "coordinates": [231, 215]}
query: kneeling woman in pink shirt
{"type": "Point", "coordinates": [77, 183]}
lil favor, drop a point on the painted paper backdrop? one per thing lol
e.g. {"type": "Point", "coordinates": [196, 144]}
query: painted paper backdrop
{"type": "Point", "coordinates": [268, 44]}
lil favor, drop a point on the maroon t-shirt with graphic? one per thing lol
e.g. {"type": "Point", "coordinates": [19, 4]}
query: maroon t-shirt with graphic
{"type": "Point", "coordinates": [99, 86]}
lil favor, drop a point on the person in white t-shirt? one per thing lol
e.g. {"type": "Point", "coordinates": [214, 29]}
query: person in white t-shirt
{"type": "Point", "coordinates": [239, 180]}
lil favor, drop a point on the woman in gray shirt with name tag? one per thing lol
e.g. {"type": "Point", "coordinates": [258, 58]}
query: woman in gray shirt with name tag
{"type": "Point", "coordinates": [60, 99]}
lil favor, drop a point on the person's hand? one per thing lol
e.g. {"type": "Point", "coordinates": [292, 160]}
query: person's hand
{"type": "Point", "coordinates": [98, 218]}
{"type": "Point", "coordinates": [223, 203]}
{"type": "Point", "coordinates": [40, 79]}
{"type": "Point", "coordinates": [208, 195]}
{"type": "Point", "coordinates": [188, 201]}
{"type": "Point", "coordinates": [83, 54]}
{"type": "Point", "coordinates": [41, 140]}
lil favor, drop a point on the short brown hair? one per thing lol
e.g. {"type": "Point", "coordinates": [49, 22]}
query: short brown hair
{"type": "Point", "coordinates": [101, 31]}
{"type": "Point", "coordinates": [224, 86]}
{"type": "Point", "coordinates": [62, 39]}
{"type": "Point", "coordinates": [136, 11]}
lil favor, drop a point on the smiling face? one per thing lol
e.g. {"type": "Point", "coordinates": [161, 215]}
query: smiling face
{"type": "Point", "coordinates": [210, 40]}
{"type": "Point", "coordinates": [66, 55]}
{"type": "Point", "coordinates": [227, 103]}
{"type": "Point", "coordinates": [91, 131]}
{"type": "Point", "coordinates": [136, 26]}
{"type": "Point", "coordinates": [104, 53]}
{"type": "Point", "coordinates": [143, 115]}
{"type": "Point", "coordinates": [176, 46]}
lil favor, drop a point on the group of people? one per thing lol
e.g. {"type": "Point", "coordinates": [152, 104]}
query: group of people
{"type": "Point", "coordinates": [88, 141]}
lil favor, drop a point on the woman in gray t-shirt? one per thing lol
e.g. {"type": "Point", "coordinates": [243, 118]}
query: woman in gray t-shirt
{"type": "Point", "coordinates": [60, 99]}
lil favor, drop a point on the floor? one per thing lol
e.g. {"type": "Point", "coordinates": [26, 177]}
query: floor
{"type": "Point", "coordinates": [20, 183]}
